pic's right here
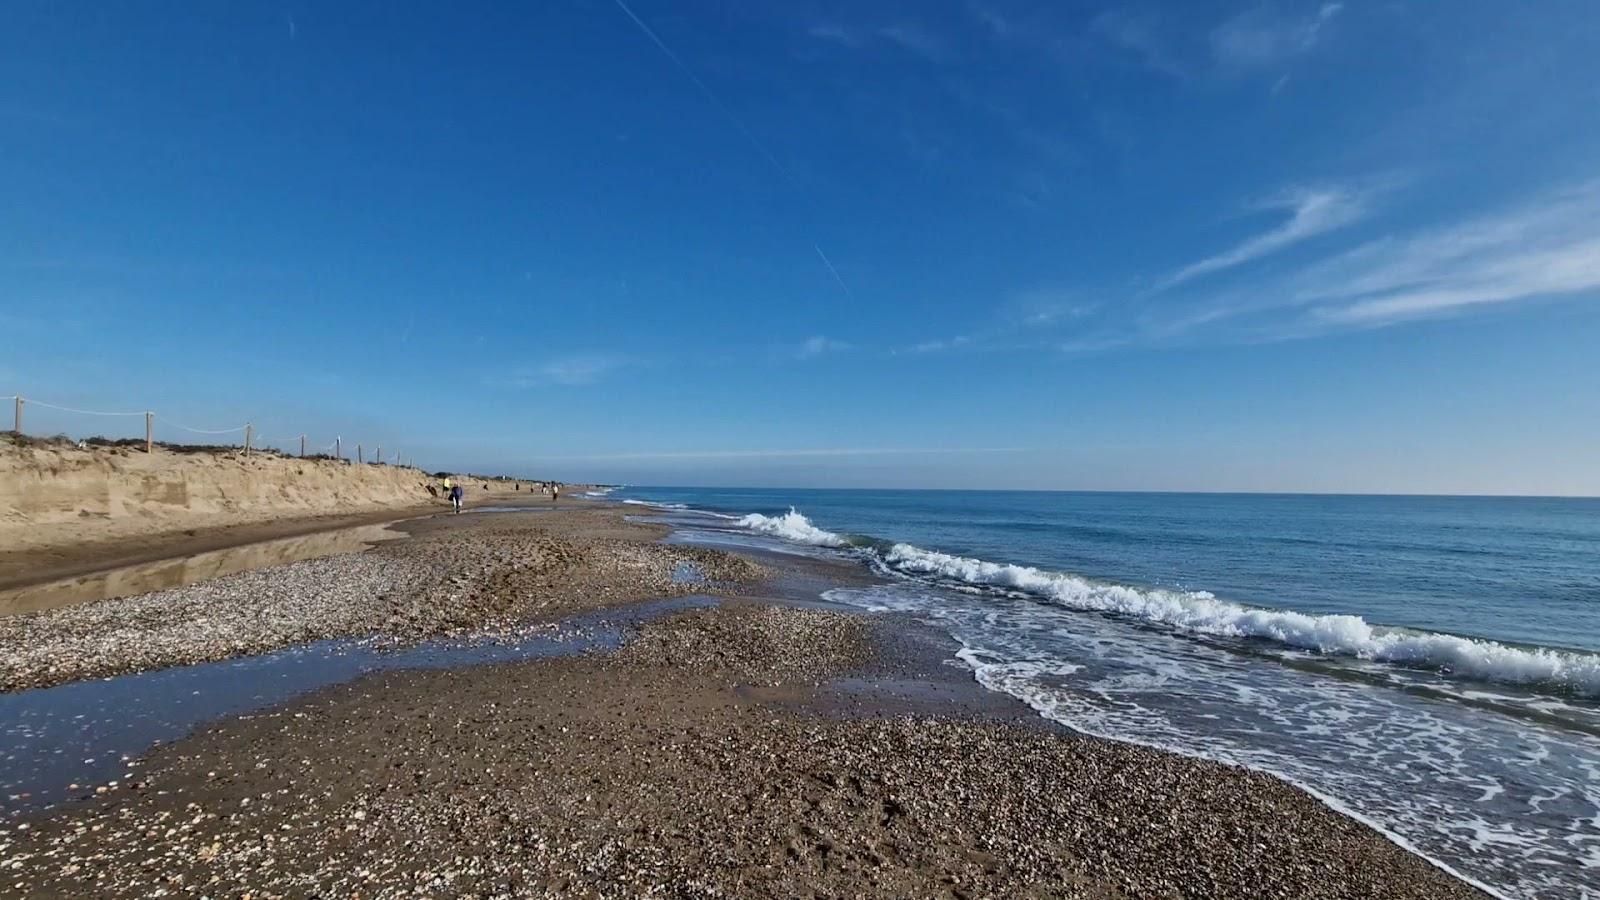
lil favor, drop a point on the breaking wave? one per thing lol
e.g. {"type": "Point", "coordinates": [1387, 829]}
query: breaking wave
{"type": "Point", "coordinates": [792, 526]}
{"type": "Point", "coordinates": [654, 505]}
{"type": "Point", "coordinates": [1200, 612]}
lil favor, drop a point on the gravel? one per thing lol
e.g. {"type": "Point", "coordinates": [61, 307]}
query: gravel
{"type": "Point", "coordinates": [484, 573]}
{"type": "Point", "coordinates": [674, 768]}
{"type": "Point", "coordinates": [769, 645]}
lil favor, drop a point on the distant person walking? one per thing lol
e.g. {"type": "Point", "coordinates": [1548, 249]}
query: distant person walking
{"type": "Point", "coordinates": [455, 497]}
{"type": "Point", "coordinates": [555, 493]}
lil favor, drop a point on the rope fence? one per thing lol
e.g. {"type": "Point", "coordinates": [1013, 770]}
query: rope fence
{"type": "Point", "coordinates": [81, 412]}
{"type": "Point", "coordinates": [232, 430]}
{"type": "Point", "coordinates": [251, 440]}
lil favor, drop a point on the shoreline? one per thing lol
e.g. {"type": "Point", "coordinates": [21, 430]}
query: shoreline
{"type": "Point", "coordinates": [35, 566]}
{"type": "Point", "coordinates": [450, 575]}
{"type": "Point", "coordinates": [754, 670]}
{"type": "Point", "coordinates": [70, 511]}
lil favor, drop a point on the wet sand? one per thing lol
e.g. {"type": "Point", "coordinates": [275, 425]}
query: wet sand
{"type": "Point", "coordinates": [91, 555]}
{"type": "Point", "coordinates": [33, 566]}
{"type": "Point", "coordinates": [177, 571]}
{"type": "Point", "coordinates": [455, 574]}
{"type": "Point", "coordinates": [753, 749]}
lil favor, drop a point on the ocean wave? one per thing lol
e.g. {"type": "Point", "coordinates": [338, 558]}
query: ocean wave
{"type": "Point", "coordinates": [792, 526]}
{"type": "Point", "coordinates": [654, 505]}
{"type": "Point", "coordinates": [1200, 612]}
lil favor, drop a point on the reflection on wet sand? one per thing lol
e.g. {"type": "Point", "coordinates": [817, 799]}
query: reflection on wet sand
{"type": "Point", "coordinates": [169, 573]}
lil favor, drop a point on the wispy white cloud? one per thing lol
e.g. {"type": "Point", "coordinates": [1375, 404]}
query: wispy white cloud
{"type": "Point", "coordinates": [1026, 322]}
{"type": "Point", "coordinates": [1264, 36]}
{"type": "Point", "coordinates": [1040, 307]}
{"type": "Point", "coordinates": [907, 36]}
{"type": "Point", "coordinates": [1143, 35]}
{"type": "Point", "coordinates": [940, 345]}
{"type": "Point", "coordinates": [838, 34]}
{"type": "Point", "coordinates": [819, 345]}
{"type": "Point", "coordinates": [1537, 250]}
{"type": "Point", "coordinates": [1169, 42]}
{"type": "Point", "coordinates": [1546, 248]}
{"type": "Point", "coordinates": [999, 24]}
{"type": "Point", "coordinates": [1312, 211]}
{"type": "Point", "coordinates": [571, 371]}
{"type": "Point", "coordinates": [913, 38]}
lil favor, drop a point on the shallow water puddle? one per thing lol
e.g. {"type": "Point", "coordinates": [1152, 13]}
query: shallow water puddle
{"type": "Point", "coordinates": [170, 573]}
{"type": "Point", "coordinates": [686, 572]}
{"type": "Point", "coordinates": [86, 732]}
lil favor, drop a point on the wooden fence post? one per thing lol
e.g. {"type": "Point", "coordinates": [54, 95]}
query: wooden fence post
{"type": "Point", "coordinates": [302, 446]}
{"type": "Point", "coordinates": [16, 426]}
{"type": "Point", "coordinates": [247, 438]}
{"type": "Point", "coordinates": [360, 459]}
{"type": "Point", "coordinates": [338, 448]}
{"type": "Point", "coordinates": [149, 431]}
{"type": "Point", "coordinates": [380, 454]}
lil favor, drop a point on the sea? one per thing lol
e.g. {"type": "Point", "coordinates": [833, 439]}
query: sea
{"type": "Point", "coordinates": [1428, 665]}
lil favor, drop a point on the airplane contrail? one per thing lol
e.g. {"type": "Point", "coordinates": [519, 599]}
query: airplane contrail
{"type": "Point", "coordinates": [829, 263]}
{"type": "Point", "coordinates": [710, 94]}
{"type": "Point", "coordinates": [733, 118]}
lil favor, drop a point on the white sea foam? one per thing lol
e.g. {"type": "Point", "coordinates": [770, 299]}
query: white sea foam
{"type": "Point", "coordinates": [655, 505]}
{"type": "Point", "coordinates": [792, 526]}
{"type": "Point", "coordinates": [1323, 734]}
{"type": "Point", "coordinates": [1202, 613]}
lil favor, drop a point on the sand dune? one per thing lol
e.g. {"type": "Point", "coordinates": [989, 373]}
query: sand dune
{"type": "Point", "coordinates": [53, 493]}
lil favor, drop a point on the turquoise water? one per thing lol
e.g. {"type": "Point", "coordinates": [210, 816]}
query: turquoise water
{"type": "Point", "coordinates": [1430, 664]}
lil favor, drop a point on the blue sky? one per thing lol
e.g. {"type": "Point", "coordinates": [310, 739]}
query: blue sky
{"type": "Point", "coordinates": [1189, 246]}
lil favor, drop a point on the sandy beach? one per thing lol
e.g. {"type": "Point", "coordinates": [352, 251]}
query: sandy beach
{"type": "Point", "coordinates": [980, 449]}
{"type": "Point", "coordinates": [757, 745]}
{"type": "Point", "coordinates": [450, 575]}
{"type": "Point", "coordinates": [67, 510]}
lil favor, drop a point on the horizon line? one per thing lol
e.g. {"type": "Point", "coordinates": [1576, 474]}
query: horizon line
{"type": "Point", "coordinates": [1259, 493]}
{"type": "Point", "coordinates": [770, 454]}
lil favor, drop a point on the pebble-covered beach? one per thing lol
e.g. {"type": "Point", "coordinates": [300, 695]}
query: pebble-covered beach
{"type": "Point", "coordinates": [751, 749]}
{"type": "Point", "coordinates": [477, 573]}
